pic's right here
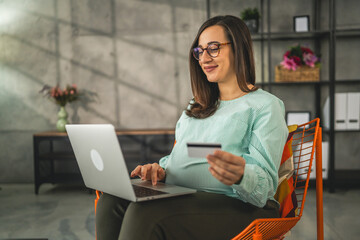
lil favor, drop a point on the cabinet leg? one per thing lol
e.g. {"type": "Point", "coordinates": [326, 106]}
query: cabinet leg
{"type": "Point", "coordinates": [37, 186]}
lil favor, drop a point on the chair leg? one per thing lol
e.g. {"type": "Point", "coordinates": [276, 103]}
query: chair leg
{"type": "Point", "coordinates": [319, 188]}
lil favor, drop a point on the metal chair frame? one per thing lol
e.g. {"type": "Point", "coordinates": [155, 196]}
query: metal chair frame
{"type": "Point", "coordinates": [306, 140]}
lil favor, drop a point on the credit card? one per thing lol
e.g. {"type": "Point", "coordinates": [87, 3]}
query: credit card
{"type": "Point", "coordinates": [201, 150]}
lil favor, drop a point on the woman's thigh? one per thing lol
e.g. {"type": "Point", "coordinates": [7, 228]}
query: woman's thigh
{"type": "Point", "coordinates": [196, 216]}
{"type": "Point", "coordinates": [110, 213]}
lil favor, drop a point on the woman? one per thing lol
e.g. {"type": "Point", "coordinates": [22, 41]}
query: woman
{"type": "Point", "coordinates": [235, 185]}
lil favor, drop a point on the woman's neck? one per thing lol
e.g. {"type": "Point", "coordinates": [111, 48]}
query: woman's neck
{"type": "Point", "coordinates": [231, 90]}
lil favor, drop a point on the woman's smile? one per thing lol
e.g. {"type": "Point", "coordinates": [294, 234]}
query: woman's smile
{"type": "Point", "coordinates": [210, 68]}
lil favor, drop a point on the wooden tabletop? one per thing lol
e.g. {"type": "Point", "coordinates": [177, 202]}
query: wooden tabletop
{"type": "Point", "coordinates": [55, 133]}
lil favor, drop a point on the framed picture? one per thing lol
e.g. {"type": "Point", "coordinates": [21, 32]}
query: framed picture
{"type": "Point", "coordinates": [297, 117]}
{"type": "Point", "coordinates": [302, 23]}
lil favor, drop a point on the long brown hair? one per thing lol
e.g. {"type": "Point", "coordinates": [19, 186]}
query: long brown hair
{"type": "Point", "coordinates": [206, 94]}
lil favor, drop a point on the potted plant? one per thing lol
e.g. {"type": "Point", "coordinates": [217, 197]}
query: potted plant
{"type": "Point", "coordinates": [251, 18]}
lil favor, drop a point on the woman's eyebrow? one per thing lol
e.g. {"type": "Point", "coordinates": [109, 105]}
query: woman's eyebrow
{"type": "Point", "coordinates": [209, 43]}
{"type": "Point", "coordinates": [212, 42]}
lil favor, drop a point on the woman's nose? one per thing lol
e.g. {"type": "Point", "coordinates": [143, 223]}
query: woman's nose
{"type": "Point", "coordinates": [205, 57]}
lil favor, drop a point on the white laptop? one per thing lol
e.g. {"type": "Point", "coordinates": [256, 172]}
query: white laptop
{"type": "Point", "coordinates": [102, 165]}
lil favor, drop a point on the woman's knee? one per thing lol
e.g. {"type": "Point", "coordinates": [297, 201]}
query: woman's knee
{"type": "Point", "coordinates": [107, 200]}
{"type": "Point", "coordinates": [109, 205]}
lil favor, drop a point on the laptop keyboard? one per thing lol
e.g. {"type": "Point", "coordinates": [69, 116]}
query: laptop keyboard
{"type": "Point", "coordinates": [146, 192]}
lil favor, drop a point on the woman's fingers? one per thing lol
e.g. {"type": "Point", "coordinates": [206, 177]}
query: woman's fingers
{"type": "Point", "coordinates": [151, 172]}
{"type": "Point", "coordinates": [141, 171]}
{"type": "Point", "coordinates": [220, 177]}
{"type": "Point", "coordinates": [154, 175]}
{"type": "Point", "coordinates": [158, 173]}
{"type": "Point", "coordinates": [136, 171]}
{"type": "Point", "coordinates": [226, 167]}
{"type": "Point", "coordinates": [161, 173]}
{"type": "Point", "coordinates": [227, 157]}
{"type": "Point", "coordinates": [218, 163]}
{"type": "Point", "coordinates": [144, 171]}
{"type": "Point", "coordinates": [223, 175]}
{"type": "Point", "coordinates": [235, 167]}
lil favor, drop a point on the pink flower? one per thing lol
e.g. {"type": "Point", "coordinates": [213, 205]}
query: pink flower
{"type": "Point", "coordinates": [299, 56]}
{"type": "Point", "coordinates": [289, 63]}
{"type": "Point", "coordinates": [62, 96]}
{"type": "Point", "coordinates": [310, 59]}
{"type": "Point", "coordinates": [58, 90]}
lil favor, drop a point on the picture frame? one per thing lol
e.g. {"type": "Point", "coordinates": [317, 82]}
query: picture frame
{"type": "Point", "coordinates": [297, 117]}
{"type": "Point", "coordinates": [302, 23]}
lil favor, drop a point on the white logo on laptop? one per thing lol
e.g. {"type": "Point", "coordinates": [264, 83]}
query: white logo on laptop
{"type": "Point", "coordinates": [97, 160]}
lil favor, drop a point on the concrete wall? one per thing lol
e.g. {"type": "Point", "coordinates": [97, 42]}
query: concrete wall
{"type": "Point", "coordinates": [134, 55]}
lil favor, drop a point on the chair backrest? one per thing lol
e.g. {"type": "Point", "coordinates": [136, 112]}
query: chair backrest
{"type": "Point", "coordinates": [304, 143]}
{"type": "Point", "coordinates": [306, 140]}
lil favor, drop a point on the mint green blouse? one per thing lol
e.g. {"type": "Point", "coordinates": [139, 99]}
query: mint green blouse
{"type": "Point", "coordinates": [253, 127]}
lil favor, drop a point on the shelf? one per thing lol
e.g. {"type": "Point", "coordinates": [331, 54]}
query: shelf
{"type": "Point", "coordinates": [347, 82]}
{"type": "Point", "coordinates": [344, 179]}
{"type": "Point", "coordinates": [289, 35]}
{"type": "Point", "coordinates": [347, 178]}
{"type": "Point", "coordinates": [350, 32]}
{"type": "Point", "coordinates": [291, 83]}
{"type": "Point", "coordinates": [325, 42]}
{"type": "Point", "coordinates": [327, 131]}
{"type": "Point", "coordinates": [337, 82]}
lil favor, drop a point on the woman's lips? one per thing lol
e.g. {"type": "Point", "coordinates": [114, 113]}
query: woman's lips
{"type": "Point", "coordinates": [210, 68]}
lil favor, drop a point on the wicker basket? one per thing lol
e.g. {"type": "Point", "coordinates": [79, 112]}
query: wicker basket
{"type": "Point", "coordinates": [302, 74]}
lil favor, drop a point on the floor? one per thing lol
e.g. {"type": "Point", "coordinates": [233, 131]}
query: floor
{"type": "Point", "coordinates": [66, 212]}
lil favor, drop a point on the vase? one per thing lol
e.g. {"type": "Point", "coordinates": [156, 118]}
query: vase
{"type": "Point", "coordinates": [253, 25]}
{"type": "Point", "coordinates": [62, 119]}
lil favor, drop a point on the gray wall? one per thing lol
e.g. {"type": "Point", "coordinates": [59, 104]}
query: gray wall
{"type": "Point", "coordinates": [134, 55]}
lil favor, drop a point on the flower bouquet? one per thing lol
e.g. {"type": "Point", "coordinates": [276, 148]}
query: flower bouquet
{"type": "Point", "coordinates": [61, 98]}
{"type": "Point", "coordinates": [299, 64]}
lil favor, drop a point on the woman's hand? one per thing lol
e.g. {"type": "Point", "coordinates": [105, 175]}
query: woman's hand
{"type": "Point", "coordinates": [151, 172]}
{"type": "Point", "coordinates": [226, 167]}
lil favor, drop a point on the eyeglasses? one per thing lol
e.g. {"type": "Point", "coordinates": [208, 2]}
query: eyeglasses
{"type": "Point", "coordinates": [213, 49]}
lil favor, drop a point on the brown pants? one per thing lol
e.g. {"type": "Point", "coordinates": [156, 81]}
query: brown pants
{"type": "Point", "coordinates": [196, 216]}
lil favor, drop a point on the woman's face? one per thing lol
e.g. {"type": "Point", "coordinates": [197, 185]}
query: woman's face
{"type": "Point", "coordinates": [221, 68]}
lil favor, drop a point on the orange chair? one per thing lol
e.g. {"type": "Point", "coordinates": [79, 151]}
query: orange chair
{"type": "Point", "coordinates": [306, 140]}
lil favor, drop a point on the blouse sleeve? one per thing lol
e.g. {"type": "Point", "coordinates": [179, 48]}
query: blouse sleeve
{"type": "Point", "coordinates": [163, 161]}
{"type": "Point", "coordinates": [263, 159]}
